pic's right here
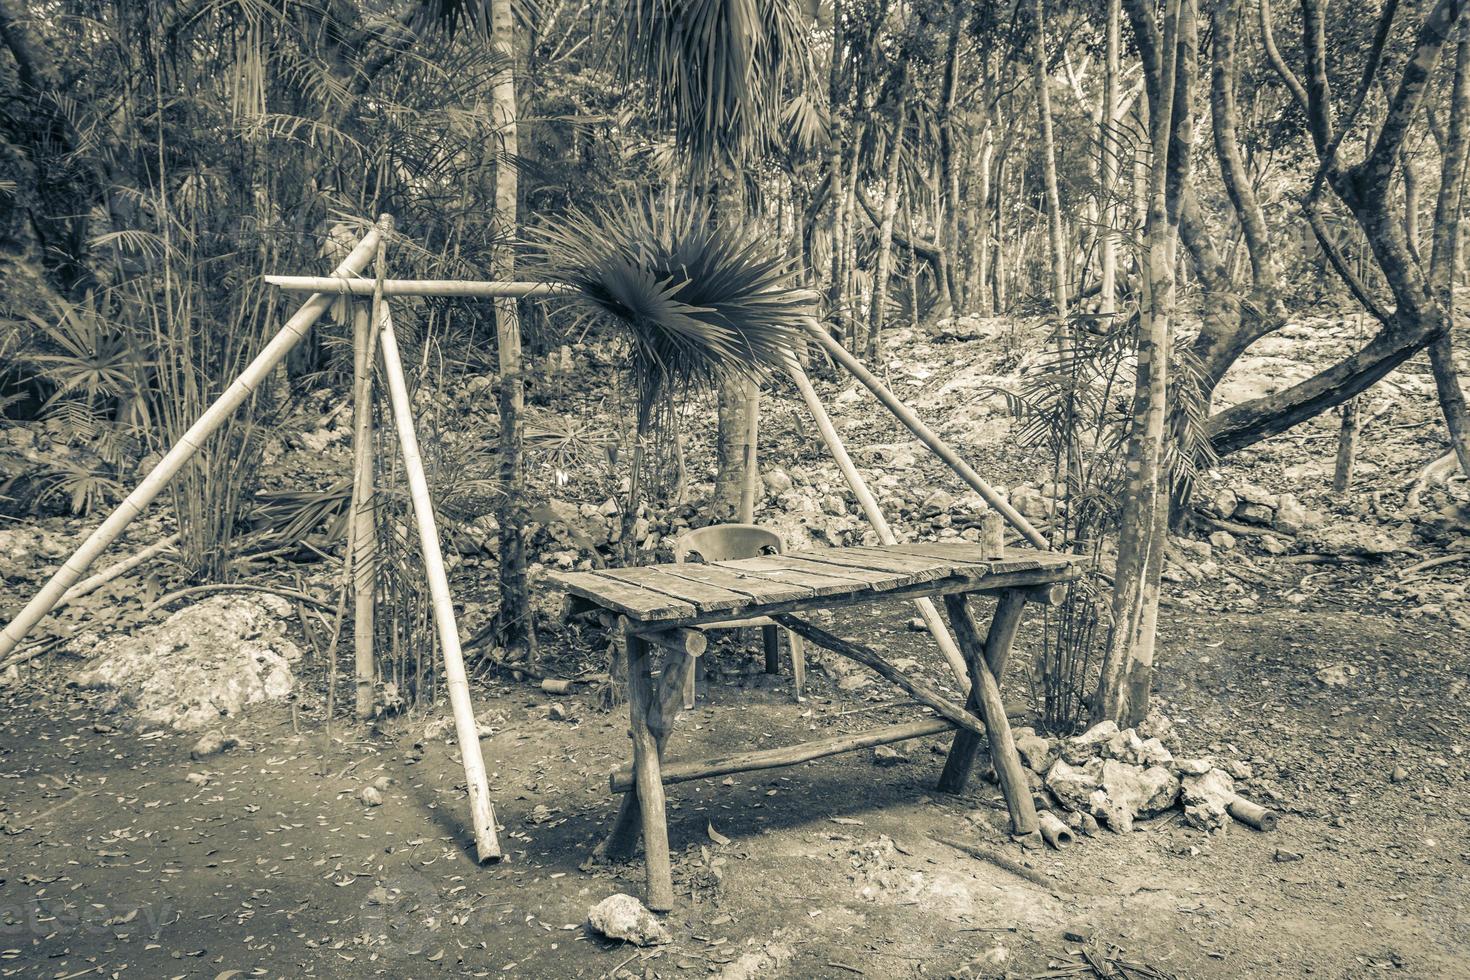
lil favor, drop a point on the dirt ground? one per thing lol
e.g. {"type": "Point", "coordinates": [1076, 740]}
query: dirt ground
{"type": "Point", "coordinates": [115, 863]}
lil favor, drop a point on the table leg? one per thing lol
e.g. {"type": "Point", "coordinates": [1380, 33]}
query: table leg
{"type": "Point", "coordinates": [659, 714]}
{"type": "Point", "coordinates": [771, 640]}
{"type": "Point", "coordinates": [985, 701]}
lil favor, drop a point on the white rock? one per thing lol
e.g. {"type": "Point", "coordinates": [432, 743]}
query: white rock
{"type": "Point", "coordinates": [205, 661]}
{"type": "Point", "coordinates": [624, 917]}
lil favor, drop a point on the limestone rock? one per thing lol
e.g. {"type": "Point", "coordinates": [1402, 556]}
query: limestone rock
{"type": "Point", "coordinates": [1080, 748]}
{"type": "Point", "coordinates": [1254, 513]}
{"type": "Point", "coordinates": [205, 661]}
{"type": "Point", "coordinates": [1037, 753]}
{"type": "Point", "coordinates": [1350, 538]}
{"type": "Point", "coordinates": [1206, 799]}
{"type": "Point", "coordinates": [624, 917]}
{"type": "Point", "coordinates": [777, 481]}
{"type": "Point", "coordinates": [1223, 540]}
{"type": "Point", "coordinates": [1291, 516]}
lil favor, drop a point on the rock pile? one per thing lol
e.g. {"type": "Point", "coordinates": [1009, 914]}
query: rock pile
{"type": "Point", "coordinates": [1112, 777]}
{"type": "Point", "coordinates": [205, 661]}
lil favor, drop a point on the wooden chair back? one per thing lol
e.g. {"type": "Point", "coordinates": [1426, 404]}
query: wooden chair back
{"type": "Point", "coordinates": [726, 542]}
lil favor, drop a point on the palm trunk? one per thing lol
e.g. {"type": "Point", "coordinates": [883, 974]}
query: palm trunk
{"type": "Point", "coordinates": [513, 625]}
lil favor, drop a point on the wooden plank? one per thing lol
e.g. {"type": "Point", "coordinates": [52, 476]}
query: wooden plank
{"type": "Point", "coordinates": [777, 569]}
{"type": "Point", "coordinates": [759, 589]}
{"type": "Point", "coordinates": [871, 578]}
{"type": "Point", "coordinates": [682, 772]}
{"type": "Point", "coordinates": [708, 598]}
{"type": "Point", "coordinates": [911, 567]}
{"type": "Point", "coordinates": [630, 600]}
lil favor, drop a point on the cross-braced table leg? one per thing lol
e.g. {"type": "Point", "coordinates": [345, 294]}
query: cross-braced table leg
{"type": "Point", "coordinates": [985, 660]}
{"type": "Point", "coordinates": [657, 714]}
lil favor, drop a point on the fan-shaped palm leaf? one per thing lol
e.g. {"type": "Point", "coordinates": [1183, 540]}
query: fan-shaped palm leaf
{"type": "Point", "coordinates": [703, 303]}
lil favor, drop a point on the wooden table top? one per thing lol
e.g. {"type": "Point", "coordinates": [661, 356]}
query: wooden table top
{"type": "Point", "coordinates": [749, 586]}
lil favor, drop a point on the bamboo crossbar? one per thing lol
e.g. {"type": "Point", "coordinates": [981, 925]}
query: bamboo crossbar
{"type": "Point", "coordinates": [159, 477]}
{"type": "Point", "coordinates": [926, 435]}
{"type": "Point", "coordinates": [621, 779]}
{"type": "Point", "coordinates": [418, 287]}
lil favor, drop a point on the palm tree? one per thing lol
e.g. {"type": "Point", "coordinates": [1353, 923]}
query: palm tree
{"type": "Point", "coordinates": [716, 73]}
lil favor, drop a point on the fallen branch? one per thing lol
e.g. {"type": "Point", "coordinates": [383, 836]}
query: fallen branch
{"type": "Point", "coordinates": [1429, 563]}
{"type": "Point", "coordinates": [237, 587]}
{"type": "Point", "coordinates": [1436, 472]}
{"type": "Point", "coordinates": [116, 570]}
{"type": "Point", "coordinates": [1005, 864]}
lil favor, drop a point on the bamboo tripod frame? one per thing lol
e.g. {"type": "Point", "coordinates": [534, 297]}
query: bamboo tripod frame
{"type": "Point", "coordinates": [362, 535]}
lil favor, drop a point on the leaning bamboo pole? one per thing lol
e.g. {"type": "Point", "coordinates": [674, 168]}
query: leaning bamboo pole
{"type": "Point", "coordinates": [482, 811]}
{"type": "Point", "coordinates": [874, 513]}
{"type": "Point", "coordinates": [419, 287]}
{"type": "Point", "coordinates": [158, 478]}
{"type": "Point", "coordinates": [926, 435]}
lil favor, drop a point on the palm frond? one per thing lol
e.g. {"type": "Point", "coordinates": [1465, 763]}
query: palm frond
{"type": "Point", "coordinates": [703, 303]}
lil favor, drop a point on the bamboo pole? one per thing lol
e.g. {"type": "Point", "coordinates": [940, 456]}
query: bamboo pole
{"type": "Point", "coordinates": [916, 425]}
{"type": "Point", "coordinates": [363, 530]}
{"type": "Point", "coordinates": [874, 513]}
{"type": "Point", "coordinates": [419, 287]}
{"type": "Point", "coordinates": [117, 570]}
{"type": "Point", "coordinates": [482, 811]}
{"type": "Point", "coordinates": [158, 478]}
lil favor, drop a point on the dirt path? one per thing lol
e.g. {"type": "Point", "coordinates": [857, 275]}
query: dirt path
{"type": "Point", "coordinates": [116, 864]}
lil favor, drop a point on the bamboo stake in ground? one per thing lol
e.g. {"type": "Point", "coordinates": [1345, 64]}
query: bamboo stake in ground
{"type": "Point", "coordinates": [158, 478]}
{"type": "Point", "coordinates": [363, 530]}
{"type": "Point", "coordinates": [874, 513]}
{"type": "Point", "coordinates": [926, 435]}
{"type": "Point", "coordinates": [482, 811]}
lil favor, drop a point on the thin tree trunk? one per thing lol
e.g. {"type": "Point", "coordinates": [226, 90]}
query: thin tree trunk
{"type": "Point", "coordinates": [949, 170]}
{"type": "Point", "coordinates": [1127, 667]}
{"type": "Point", "coordinates": [1055, 234]}
{"type": "Point", "coordinates": [514, 627]}
{"type": "Point", "coordinates": [884, 264]}
{"type": "Point", "coordinates": [1108, 165]}
{"type": "Point", "coordinates": [1445, 251]}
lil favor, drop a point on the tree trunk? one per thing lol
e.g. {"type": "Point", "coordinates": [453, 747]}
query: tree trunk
{"type": "Point", "coordinates": [1049, 167]}
{"type": "Point", "coordinates": [738, 403]}
{"type": "Point", "coordinates": [949, 239]}
{"type": "Point", "coordinates": [514, 627]}
{"type": "Point", "coordinates": [1127, 667]}
{"type": "Point", "coordinates": [1108, 164]}
{"type": "Point", "coordinates": [884, 264]}
{"type": "Point", "coordinates": [1445, 251]}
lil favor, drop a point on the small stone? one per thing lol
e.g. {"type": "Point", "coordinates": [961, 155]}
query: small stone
{"type": "Point", "coordinates": [212, 744]}
{"type": "Point", "coordinates": [1399, 775]}
{"type": "Point", "coordinates": [887, 755]}
{"type": "Point", "coordinates": [1237, 769]}
{"type": "Point", "coordinates": [1335, 675]}
{"type": "Point", "coordinates": [777, 481]}
{"type": "Point", "coordinates": [1037, 753]}
{"type": "Point", "coordinates": [1223, 540]}
{"type": "Point", "coordinates": [624, 917]}
{"type": "Point", "coordinates": [370, 796]}
{"type": "Point", "coordinates": [197, 778]}
{"type": "Point", "coordinates": [556, 712]}
{"type": "Point", "coordinates": [1254, 513]}
{"type": "Point", "coordinates": [917, 625]}
{"type": "Point", "coordinates": [1078, 932]}
{"type": "Point", "coordinates": [1284, 856]}
{"type": "Point", "coordinates": [1291, 516]}
{"type": "Point", "coordinates": [1272, 545]}
{"type": "Point", "coordinates": [1192, 767]}
{"type": "Point", "coordinates": [382, 783]}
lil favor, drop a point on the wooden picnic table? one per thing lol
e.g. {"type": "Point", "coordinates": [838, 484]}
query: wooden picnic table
{"type": "Point", "coordinates": [660, 605]}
